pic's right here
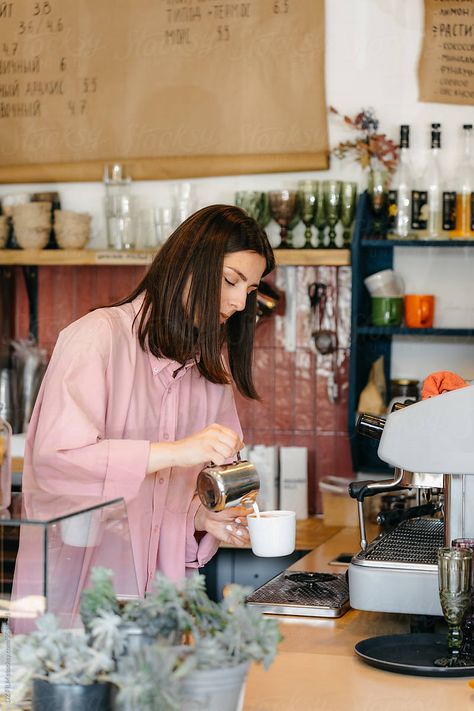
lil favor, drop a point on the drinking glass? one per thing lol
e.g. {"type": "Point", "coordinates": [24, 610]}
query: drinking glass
{"type": "Point", "coordinates": [467, 650]}
{"type": "Point", "coordinates": [332, 190]}
{"type": "Point", "coordinates": [454, 577]}
{"type": "Point", "coordinates": [118, 207]}
{"type": "Point", "coordinates": [255, 204]}
{"type": "Point", "coordinates": [348, 208]}
{"type": "Point", "coordinates": [308, 196]}
{"type": "Point", "coordinates": [377, 189]}
{"type": "Point", "coordinates": [184, 200]}
{"type": "Point", "coordinates": [166, 222]}
{"type": "Point", "coordinates": [320, 215]}
{"type": "Point", "coordinates": [283, 209]}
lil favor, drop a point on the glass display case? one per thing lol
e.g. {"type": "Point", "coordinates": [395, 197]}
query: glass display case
{"type": "Point", "coordinates": [48, 546]}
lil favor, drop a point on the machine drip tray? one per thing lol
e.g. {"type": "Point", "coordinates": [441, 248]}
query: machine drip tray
{"type": "Point", "coordinates": [409, 654]}
{"type": "Point", "coordinates": [303, 593]}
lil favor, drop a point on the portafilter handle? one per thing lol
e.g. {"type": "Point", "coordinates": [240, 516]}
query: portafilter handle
{"type": "Point", "coordinates": [360, 489]}
{"type": "Point", "coordinates": [372, 426]}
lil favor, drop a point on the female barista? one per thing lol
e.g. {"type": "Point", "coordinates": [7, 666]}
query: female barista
{"type": "Point", "coordinates": [138, 396]}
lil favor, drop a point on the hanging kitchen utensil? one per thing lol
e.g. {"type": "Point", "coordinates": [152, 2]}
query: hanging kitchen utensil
{"type": "Point", "coordinates": [333, 377]}
{"type": "Point", "coordinates": [324, 339]}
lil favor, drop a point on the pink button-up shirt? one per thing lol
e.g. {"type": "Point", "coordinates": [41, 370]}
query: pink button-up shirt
{"type": "Point", "coordinates": [102, 401]}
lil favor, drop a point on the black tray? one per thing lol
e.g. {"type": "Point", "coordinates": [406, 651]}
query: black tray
{"type": "Point", "coordinates": [409, 654]}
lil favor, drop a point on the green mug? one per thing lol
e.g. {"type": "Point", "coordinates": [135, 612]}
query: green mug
{"type": "Point", "coordinates": [387, 310]}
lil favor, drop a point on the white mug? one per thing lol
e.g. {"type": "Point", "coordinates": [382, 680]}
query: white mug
{"type": "Point", "coordinates": [83, 530]}
{"type": "Point", "coordinates": [273, 533]}
{"type": "Point", "coordinates": [385, 283]}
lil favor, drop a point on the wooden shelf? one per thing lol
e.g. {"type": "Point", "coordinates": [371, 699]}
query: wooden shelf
{"type": "Point", "coordinates": [313, 257]}
{"type": "Point", "coordinates": [389, 331]}
{"type": "Point", "coordinates": [382, 243]}
{"type": "Point", "coordinates": [110, 257]}
{"type": "Point", "coordinates": [75, 257]}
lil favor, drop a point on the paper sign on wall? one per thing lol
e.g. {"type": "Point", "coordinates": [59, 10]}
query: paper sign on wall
{"type": "Point", "coordinates": [175, 88]}
{"type": "Point", "coordinates": [446, 66]}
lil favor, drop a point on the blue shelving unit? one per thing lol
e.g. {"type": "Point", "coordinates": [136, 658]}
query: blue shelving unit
{"type": "Point", "coordinates": [370, 342]}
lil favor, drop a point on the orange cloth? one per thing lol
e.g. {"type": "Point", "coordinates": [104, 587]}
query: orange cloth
{"type": "Point", "coordinates": [441, 382]}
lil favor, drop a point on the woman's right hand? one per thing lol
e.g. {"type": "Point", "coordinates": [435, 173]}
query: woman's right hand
{"type": "Point", "coordinates": [215, 443]}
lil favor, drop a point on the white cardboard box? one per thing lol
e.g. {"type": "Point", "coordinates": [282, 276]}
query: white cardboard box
{"type": "Point", "coordinates": [265, 460]}
{"type": "Point", "coordinates": [294, 480]}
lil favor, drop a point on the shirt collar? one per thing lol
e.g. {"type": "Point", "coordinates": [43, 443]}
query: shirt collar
{"type": "Point", "coordinates": [177, 370]}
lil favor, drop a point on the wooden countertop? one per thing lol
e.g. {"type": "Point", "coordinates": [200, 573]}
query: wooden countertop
{"type": "Point", "coordinates": [316, 667]}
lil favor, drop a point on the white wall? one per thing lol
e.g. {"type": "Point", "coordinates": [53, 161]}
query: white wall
{"type": "Point", "coordinates": [372, 49]}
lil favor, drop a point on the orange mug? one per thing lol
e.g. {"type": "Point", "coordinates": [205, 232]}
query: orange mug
{"type": "Point", "coordinates": [419, 310]}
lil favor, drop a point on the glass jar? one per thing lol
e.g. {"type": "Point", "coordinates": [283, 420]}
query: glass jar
{"type": "Point", "coordinates": [401, 390]}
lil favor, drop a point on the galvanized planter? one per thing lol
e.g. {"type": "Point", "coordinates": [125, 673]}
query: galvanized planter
{"type": "Point", "coordinates": [73, 697]}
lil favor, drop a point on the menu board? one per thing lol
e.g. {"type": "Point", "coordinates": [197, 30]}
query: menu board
{"type": "Point", "coordinates": [446, 67]}
{"type": "Point", "coordinates": [175, 88]}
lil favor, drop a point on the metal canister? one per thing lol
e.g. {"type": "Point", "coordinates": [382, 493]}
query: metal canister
{"type": "Point", "coordinates": [220, 487]}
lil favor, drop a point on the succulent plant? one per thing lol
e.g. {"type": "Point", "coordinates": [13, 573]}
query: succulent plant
{"type": "Point", "coordinates": [218, 635]}
{"type": "Point", "coordinates": [223, 634]}
{"type": "Point", "coordinates": [63, 656]}
{"type": "Point", "coordinates": [99, 597]}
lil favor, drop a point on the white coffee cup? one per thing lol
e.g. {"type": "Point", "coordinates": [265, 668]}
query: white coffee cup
{"type": "Point", "coordinates": [385, 283]}
{"type": "Point", "coordinates": [272, 533]}
{"type": "Point", "coordinates": [83, 530]}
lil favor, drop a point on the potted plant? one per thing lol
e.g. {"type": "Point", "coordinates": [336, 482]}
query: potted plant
{"type": "Point", "coordinates": [208, 668]}
{"type": "Point", "coordinates": [160, 615]}
{"type": "Point", "coordinates": [194, 652]}
{"type": "Point", "coordinates": [65, 668]}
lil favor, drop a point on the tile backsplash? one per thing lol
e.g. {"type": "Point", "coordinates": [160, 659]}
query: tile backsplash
{"type": "Point", "coordinates": [298, 407]}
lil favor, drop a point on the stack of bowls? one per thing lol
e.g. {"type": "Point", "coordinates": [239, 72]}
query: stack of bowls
{"type": "Point", "coordinates": [32, 224]}
{"type": "Point", "coordinates": [72, 229]}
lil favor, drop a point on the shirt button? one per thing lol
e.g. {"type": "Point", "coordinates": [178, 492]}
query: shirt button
{"type": "Point", "coordinates": [155, 370]}
{"type": "Point", "coordinates": [161, 480]}
{"type": "Point", "coordinates": [169, 391]}
{"type": "Point", "coordinates": [166, 436]}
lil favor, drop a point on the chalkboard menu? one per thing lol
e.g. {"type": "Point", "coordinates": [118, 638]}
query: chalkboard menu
{"type": "Point", "coordinates": [176, 88]}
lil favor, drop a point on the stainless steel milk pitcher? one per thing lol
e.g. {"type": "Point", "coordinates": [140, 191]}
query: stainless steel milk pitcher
{"type": "Point", "coordinates": [227, 485]}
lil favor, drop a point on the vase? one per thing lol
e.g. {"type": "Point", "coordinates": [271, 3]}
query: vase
{"type": "Point", "coordinates": [70, 697]}
{"type": "Point", "coordinates": [215, 689]}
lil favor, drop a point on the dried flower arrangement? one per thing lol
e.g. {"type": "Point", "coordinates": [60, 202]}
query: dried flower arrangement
{"type": "Point", "coordinates": [370, 148]}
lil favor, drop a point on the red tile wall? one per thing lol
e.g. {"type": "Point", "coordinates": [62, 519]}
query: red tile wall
{"type": "Point", "coordinates": [295, 407]}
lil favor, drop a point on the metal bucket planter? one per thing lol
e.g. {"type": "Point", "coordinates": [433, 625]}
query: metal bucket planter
{"type": "Point", "coordinates": [215, 689]}
{"type": "Point", "coordinates": [135, 638]}
{"type": "Point", "coordinates": [70, 697]}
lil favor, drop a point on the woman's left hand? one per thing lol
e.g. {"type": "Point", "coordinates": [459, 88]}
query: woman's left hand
{"type": "Point", "coordinates": [228, 525]}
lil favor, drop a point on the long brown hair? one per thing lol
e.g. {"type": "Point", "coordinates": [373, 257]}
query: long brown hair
{"type": "Point", "coordinates": [194, 255]}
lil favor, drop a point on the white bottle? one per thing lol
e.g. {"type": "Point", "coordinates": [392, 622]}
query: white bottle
{"type": "Point", "coordinates": [400, 192]}
{"type": "Point", "coordinates": [431, 210]}
{"type": "Point", "coordinates": [464, 228]}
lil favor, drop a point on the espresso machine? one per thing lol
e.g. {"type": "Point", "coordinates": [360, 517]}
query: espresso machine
{"type": "Point", "coordinates": [430, 444]}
